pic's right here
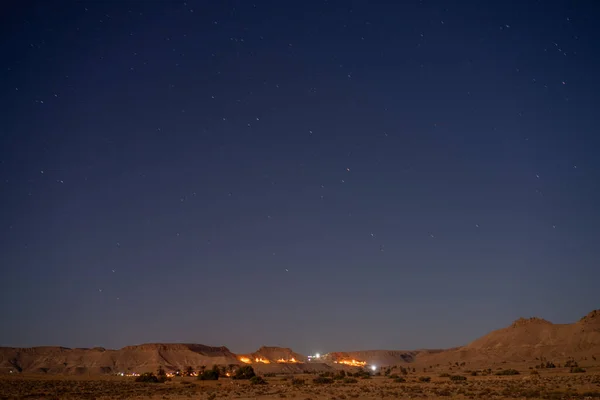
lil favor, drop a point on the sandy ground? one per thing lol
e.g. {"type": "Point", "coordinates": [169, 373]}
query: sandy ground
{"type": "Point", "coordinates": [549, 384]}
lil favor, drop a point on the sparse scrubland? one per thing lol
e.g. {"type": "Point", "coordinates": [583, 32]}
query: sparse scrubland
{"type": "Point", "coordinates": [544, 384]}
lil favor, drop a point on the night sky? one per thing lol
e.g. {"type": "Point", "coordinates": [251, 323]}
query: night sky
{"type": "Point", "coordinates": [323, 175]}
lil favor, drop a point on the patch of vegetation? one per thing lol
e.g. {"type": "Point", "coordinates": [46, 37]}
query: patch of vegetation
{"type": "Point", "coordinates": [424, 379]}
{"type": "Point", "coordinates": [457, 378]}
{"type": "Point", "coordinates": [322, 380]}
{"type": "Point", "coordinates": [350, 380]}
{"type": "Point", "coordinates": [444, 375]}
{"type": "Point", "coordinates": [257, 380]}
{"type": "Point", "coordinates": [147, 377]}
{"type": "Point", "coordinates": [244, 372]}
{"type": "Point", "coordinates": [298, 382]}
{"type": "Point", "coordinates": [399, 380]}
{"type": "Point", "coordinates": [210, 374]}
{"type": "Point", "coordinates": [340, 375]}
{"type": "Point", "coordinates": [507, 372]}
{"type": "Point", "coordinates": [576, 370]}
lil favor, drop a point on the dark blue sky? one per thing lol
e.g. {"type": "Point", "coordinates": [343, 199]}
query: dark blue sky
{"type": "Point", "coordinates": [324, 175]}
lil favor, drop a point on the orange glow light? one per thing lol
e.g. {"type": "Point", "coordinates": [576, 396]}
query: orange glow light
{"type": "Point", "coordinates": [291, 360]}
{"type": "Point", "coordinates": [353, 363]}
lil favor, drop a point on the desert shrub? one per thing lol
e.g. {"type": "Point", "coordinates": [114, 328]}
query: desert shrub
{"type": "Point", "coordinates": [270, 375]}
{"type": "Point", "coordinates": [534, 372]}
{"type": "Point", "coordinates": [399, 380]}
{"type": "Point", "coordinates": [425, 379]}
{"type": "Point", "coordinates": [244, 372]}
{"type": "Point", "coordinates": [571, 364]}
{"type": "Point", "coordinates": [340, 375]}
{"type": "Point", "coordinates": [473, 373]}
{"type": "Point", "coordinates": [210, 374]}
{"type": "Point", "coordinates": [257, 380]}
{"type": "Point", "coordinates": [298, 382]}
{"type": "Point", "coordinates": [394, 376]}
{"type": "Point", "coordinates": [457, 378]}
{"type": "Point", "coordinates": [577, 370]}
{"type": "Point", "coordinates": [507, 372]}
{"type": "Point", "coordinates": [322, 380]}
{"type": "Point", "coordinates": [444, 375]}
{"type": "Point", "coordinates": [147, 377]}
{"type": "Point", "coordinates": [350, 380]}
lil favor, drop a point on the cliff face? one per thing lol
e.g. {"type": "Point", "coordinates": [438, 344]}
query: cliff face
{"type": "Point", "coordinates": [138, 359]}
{"type": "Point", "coordinates": [523, 341]}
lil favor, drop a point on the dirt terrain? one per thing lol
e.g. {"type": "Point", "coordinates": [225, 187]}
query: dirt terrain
{"type": "Point", "coordinates": [548, 384]}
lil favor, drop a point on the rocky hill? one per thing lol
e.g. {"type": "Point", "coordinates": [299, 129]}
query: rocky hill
{"type": "Point", "coordinates": [142, 358]}
{"type": "Point", "coordinates": [524, 341]}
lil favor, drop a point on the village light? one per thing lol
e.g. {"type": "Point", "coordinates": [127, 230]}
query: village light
{"type": "Point", "coordinates": [374, 367]}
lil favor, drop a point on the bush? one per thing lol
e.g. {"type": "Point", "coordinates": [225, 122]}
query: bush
{"type": "Point", "coordinates": [399, 380]}
{"type": "Point", "coordinates": [257, 380]}
{"type": "Point", "coordinates": [339, 376]}
{"type": "Point", "coordinates": [457, 378]}
{"type": "Point", "coordinates": [147, 377]}
{"type": "Point", "coordinates": [444, 375]}
{"type": "Point", "coordinates": [209, 375]}
{"type": "Point", "coordinates": [534, 372]}
{"type": "Point", "coordinates": [244, 372]}
{"type": "Point", "coordinates": [507, 372]}
{"type": "Point", "coordinates": [425, 379]}
{"type": "Point", "coordinates": [577, 370]}
{"type": "Point", "coordinates": [323, 380]}
{"type": "Point", "coordinates": [571, 364]}
{"type": "Point", "coordinates": [394, 376]}
{"type": "Point", "coordinates": [350, 380]}
{"type": "Point", "coordinates": [298, 382]}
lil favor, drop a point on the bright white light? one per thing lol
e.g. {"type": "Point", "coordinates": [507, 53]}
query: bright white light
{"type": "Point", "coordinates": [318, 355]}
{"type": "Point", "coordinates": [373, 367]}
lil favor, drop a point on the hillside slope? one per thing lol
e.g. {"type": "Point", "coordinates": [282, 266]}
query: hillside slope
{"type": "Point", "coordinates": [524, 341]}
